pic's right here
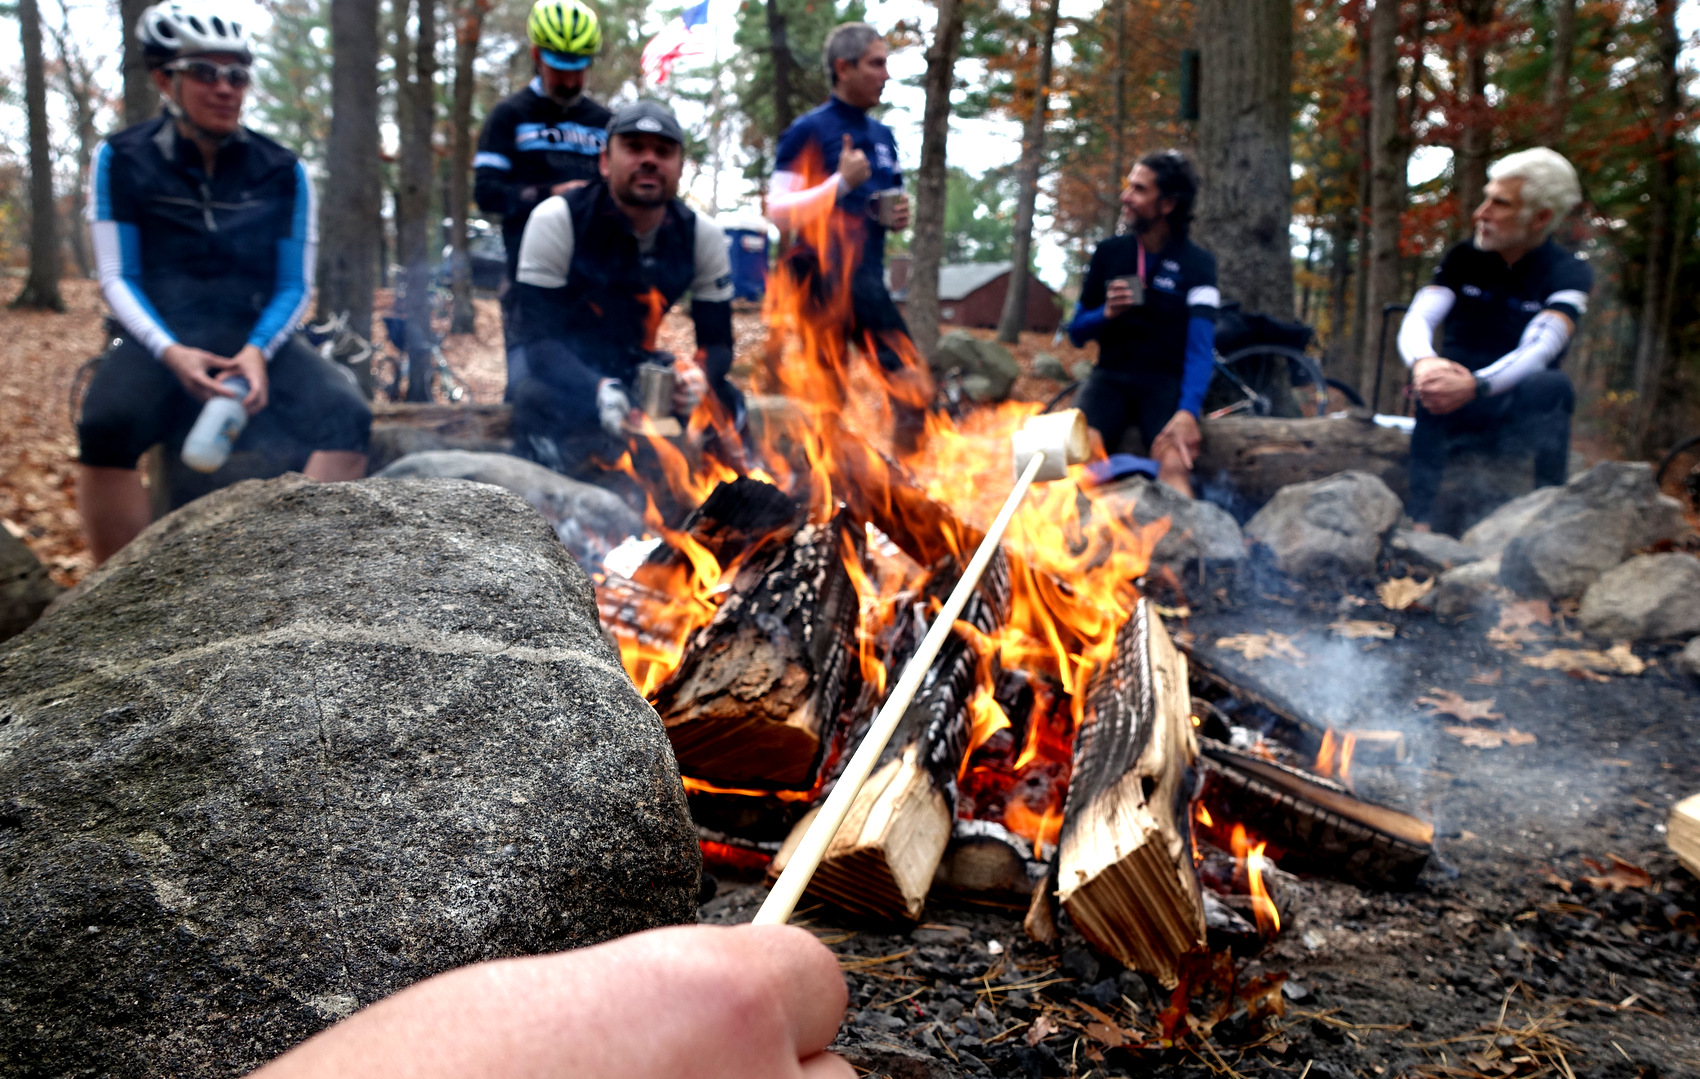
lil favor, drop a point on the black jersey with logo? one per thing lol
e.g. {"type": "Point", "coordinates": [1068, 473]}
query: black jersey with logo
{"type": "Point", "coordinates": [1496, 301]}
{"type": "Point", "coordinates": [1180, 283]}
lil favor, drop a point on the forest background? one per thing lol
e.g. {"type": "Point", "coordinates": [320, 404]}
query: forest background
{"type": "Point", "coordinates": [1343, 143]}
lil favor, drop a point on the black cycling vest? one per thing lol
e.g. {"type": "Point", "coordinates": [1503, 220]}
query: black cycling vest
{"type": "Point", "coordinates": [208, 244]}
{"type": "Point", "coordinates": [608, 282]}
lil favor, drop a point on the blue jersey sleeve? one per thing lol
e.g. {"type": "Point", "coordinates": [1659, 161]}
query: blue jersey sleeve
{"type": "Point", "coordinates": [295, 264]}
{"type": "Point", "coordinates": [1200, 362]}
{"type": "Point", "coordinates": [117, 242]}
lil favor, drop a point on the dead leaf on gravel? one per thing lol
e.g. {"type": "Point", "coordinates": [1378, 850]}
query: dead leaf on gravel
{"type": "Point", "coordinates": [1401, 592]}
{"type": "Point", "coordinates": [1553, 880]}
{"type": "Point", "coordinates": [1486, 678]}
{"type": "Point", "coordinates": [1618, 659]}
{"type": "Point", "coordinates": [1259, 645]}
{"type": "Point", "coordinates": [1354, 628]}
{"type": "Point", "coordinates": [1042, 1028]}
{"type": "Point", "coordinates": [1444, 702]}
{"type": "Point", "coordinates": [1529, 612]}
{"type": "Point", "coordinates": [1487, 738]}
{"type": "Point", "coordinates": [1620, 876]}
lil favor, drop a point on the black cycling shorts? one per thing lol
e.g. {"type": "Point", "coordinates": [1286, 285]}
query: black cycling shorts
{"type": "Point", "coordinates": [135, 401]}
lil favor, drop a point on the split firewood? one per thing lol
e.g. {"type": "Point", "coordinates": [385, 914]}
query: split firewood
{"type": "Point", "coordinates": [1684, 832]}
{"type": "Point", "coordinates": [1313, 824]}
{"type": "Point", "coordinates": [1124, 861]}
{"type": "Point", "coordinates": [987, 863]}
{"type": "Point", "coordinates": [882, 861]}
{"type": "Point", "coordinates": [757, 694]}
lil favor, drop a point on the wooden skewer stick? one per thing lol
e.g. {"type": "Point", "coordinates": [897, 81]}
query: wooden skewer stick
{"type": "Point", "coordinates": [1043, 449]}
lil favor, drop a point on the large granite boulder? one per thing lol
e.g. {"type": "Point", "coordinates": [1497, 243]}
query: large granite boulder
{"type": "Point", "coordinates": [1489, 536]}
{"type": "Point", "coordinates": [1649, 597]}
{"type": "Point", "coordinates": [298, 746]}
{"type": "Point", "coordinates": [1328, 526]}
{"type": "Point", "coordinates": [1687, 661]}
{"type": "Point", "coordinates": [589, 520]}
{"type": "Point", "coordinates": [988, 370]}
{"type": "Point", "coordinates": [1197, 529]}
{"type": "Point", "coordinates": [25, 588]}
{"type": "Point", "coordinates": [1466, 590]}
{"type": "Point", "coordinates": [1580, 530]}
{"type": "Point", "coordinates": [1433, 551]}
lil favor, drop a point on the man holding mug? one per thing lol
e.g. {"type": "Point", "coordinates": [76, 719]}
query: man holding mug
{"type": "Point", "coordinates": [863, 193]}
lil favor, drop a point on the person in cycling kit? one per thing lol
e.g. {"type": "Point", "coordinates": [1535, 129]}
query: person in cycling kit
{"type": "Point", "coordinates": [598, 267]}
{"type": "Point", "coordinates": [205, 237]}
{"type": "Point", "coordinates": [1506, 303]}
{"type": "Point", "coordinates": [543, 141]}
{"type": "Point", "coordinates": [857, 155]}
{"type": "Point", "coordinates": [1150, 301]}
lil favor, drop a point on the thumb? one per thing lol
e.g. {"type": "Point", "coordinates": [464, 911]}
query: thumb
{"type": "Point", "coordinates": [848, 145]}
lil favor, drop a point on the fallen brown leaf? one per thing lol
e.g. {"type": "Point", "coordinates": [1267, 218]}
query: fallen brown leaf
{"type": "Point", "coordinates": [1354, 628]}
{"type": "Point", "coordinates": [1487, 738]}
{"type": "Point", "coordinates": [1444, 702]}
{"type": "Point", "coordinates": [1529, 612]}
{"type": "Point", "coordinates": [1486, 678]}
{"type": "Point", "coordinates": [1554, 880]}
{"type": "Point", "coordinates": [1622, 875]}
{"type": "Point", "coordinates": [1401, 592]}
{"type": "Point", "coordinates": [1105, 1034]}
{"type": "Point", "coordinates": [1042, 1028]}
{"type": "Point", "coordinates": [1618, 659]}
{"type": "Point", "coordinates": [1260, 645]}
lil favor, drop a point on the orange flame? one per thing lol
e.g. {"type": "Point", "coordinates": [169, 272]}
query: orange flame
{"type": "Point", "coordinates": [1334, 757]}
{"type": "Point", "coordinates": [1251, 856]}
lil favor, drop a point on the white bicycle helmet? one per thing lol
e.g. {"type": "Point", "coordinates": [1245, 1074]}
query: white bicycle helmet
{"type": "Point", "coordinates": [172, 30]}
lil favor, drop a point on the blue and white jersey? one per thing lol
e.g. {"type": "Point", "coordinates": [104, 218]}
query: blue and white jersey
{"type": "Point", "coordinates": [215, 262]}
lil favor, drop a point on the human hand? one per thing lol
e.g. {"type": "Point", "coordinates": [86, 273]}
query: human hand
{"type": "Point", "coordinates": [1179, 438]}
{"type": "Point", "coordinates": [706, 1001]}
{"type": "Point", "coordinates": [1118, 298]}
{"type": "Point", "coordinates": [689, 386]}
{"type": "Point", "coordinates": [899, 209]}
{"type": "Point", "coordinates": [1443, 386]}
{"type": "Point", "coordinates": [853, 165]}
{"type": "Point", "coordinates": [192, 367]}
{"type": "Point", "coordinates": [569, 185]}
{"type": "Point", "coordinates": [250, 363]}
{"type": "Point", "coordinates": [613, 407]}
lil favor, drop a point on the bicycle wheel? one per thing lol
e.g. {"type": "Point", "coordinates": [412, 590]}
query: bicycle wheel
{"type": "Point", "coordinates": [1678, 474]}
{"type": "Point", "coordinates": [1283, 381]}
{"type": "Point", "coordinates": [1348, 396]}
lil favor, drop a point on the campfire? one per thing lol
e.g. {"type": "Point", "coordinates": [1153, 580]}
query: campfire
{"type": "Point", "coordinates": [1054, 752]}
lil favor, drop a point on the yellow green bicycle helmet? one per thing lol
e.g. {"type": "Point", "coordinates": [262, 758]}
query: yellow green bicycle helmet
{"type": "Point", "coordinates": [566, 31]}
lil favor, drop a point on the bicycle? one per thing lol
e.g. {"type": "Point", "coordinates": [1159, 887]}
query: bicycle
{"type": "Point", "coordinates": [351, 353]}
{"type": "Point", "coordinates": [1274, 380]}
{"type": "Point", "coordinates": [444, 383]}
{"type": "Point", "coordinates": [1678, 473]}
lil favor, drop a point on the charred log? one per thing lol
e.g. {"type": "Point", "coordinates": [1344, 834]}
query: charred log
{"type": "Point", "coordinates": [1124, 866]}
{"type": "Point", "coordinates": [1312, 824]}
{"type": "Point", "coordinates": [755, 698]}
{"type": "Point", "coordinates": [883, 859]}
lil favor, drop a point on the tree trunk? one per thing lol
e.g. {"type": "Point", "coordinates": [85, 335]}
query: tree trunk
{"type": "Point", "coordinates": [1014, 315]}
{"type": "Point", "coordinates": [926, 243]}
{"type": "Point", "coordinates": [779, 46]}
{"type": "Point", "coordinates": [1341, 356]}
{"type": "Point", "coordinates": [417, 113]}
{"type": "Point", "coordinates": [1118, 136]}
{"type": "Point", "coordinates": [78, 85]}
{"type": "Point", "coordinates": [42, 288]}
{"type": "Point", "coordinates": [1390, 151]}
{"type": "Point", "coordinates": [141, 100]}
{"type": "Point", "coordinates": [1245, 144]}
{"type": "Point", "coordinates": [1475, 141]}
{"type": "Point", "coordinates": [469, 28]}
{"type": "Point", "coordinates": [1651, 341]}
{"type": "Point", "coordinates": [1563, 47]}
{"type": "Point", "coordinates": [351, 220]}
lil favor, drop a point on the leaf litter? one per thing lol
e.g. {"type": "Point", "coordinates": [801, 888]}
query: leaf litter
{"type": "Point", "coordinates": [1402, 592]}
{"type": "Point", "coordinates": [1262, 645]}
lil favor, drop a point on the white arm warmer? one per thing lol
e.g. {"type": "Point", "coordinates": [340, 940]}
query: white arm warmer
{"type": "Point", "coordinates": [1429, 308]}
{"type": "Point", "coordinates": [1542, 342]}
{"type": "Point", "coordinates": [794, 207]}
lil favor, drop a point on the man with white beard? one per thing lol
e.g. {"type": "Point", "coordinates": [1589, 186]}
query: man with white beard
{"type": "Point", "coordinates": [1507, 303]}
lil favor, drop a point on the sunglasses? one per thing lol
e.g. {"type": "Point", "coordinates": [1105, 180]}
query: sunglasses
{"type": "Point", "coordinates": [208, 73]}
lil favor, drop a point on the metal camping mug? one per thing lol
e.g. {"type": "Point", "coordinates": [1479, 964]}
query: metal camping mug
{"type": "Point", "coordinates": [655, 389]}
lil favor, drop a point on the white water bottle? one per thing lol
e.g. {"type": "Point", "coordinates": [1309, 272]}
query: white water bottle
{"type": "Point", "coordinates": [217, 429]}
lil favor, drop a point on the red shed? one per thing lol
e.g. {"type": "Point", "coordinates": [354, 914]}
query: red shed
{"type": "Point", "coordinates": [972, 294]}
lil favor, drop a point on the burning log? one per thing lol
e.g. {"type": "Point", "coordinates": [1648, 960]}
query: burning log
{"type": "Point", "coordinates": [1316, 825]}
{"type": "Point", "coordinates": [757, 694]}
{"type": "Point", "coordinates": [882, 860]}
{"type": "Point", "coordinates": [877, 491]}
{"type": "Point", "coordinates": [1124, 865]}
{"type": "Point", "coordinates": [1684, 832]}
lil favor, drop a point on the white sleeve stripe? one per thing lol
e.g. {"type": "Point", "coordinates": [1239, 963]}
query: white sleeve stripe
{"type": "Point", "coordinates": [484, 159]}
{"type": "Point", "coordinates": [793, 206]}
{"type": "Point", "coordinates": [546, 247]}
{"type": "Point", "coordinates": [1543, 341]}
{"type": "Point", "coordinates": [1204, 296]}
{"type": "Point", "coordinates": [1429, 308]}
{"type": "Point", "coordinates": [1574, 297]}
{"type": "Point", "coordinates": [713, 280]}
{"type": "Point", "coordinates": [129, 305]}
